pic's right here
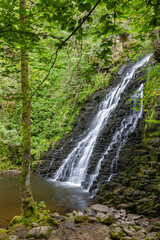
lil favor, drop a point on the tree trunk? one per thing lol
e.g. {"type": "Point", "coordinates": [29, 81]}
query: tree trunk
{"type": "Point", "coordinates": [28, 205]}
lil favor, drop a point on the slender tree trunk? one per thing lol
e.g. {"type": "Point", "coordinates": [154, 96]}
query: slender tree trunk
{"type": "Point", "coordinates": [25, 189]}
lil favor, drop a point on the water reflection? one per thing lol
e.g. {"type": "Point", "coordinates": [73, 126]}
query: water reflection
{"type": "Point", "coordinates": [57, 196]}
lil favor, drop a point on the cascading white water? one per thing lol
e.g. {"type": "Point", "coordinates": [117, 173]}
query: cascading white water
{"type": "Point", "coordinates": [74, 168]}
{"type": "Point", "coordinates": [127, 126]}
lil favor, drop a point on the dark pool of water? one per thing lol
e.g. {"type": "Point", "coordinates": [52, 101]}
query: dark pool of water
{"type": "Point", "coordinates": [57, 196]}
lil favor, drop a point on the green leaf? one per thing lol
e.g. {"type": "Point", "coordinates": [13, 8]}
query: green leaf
{"type": "Point", "coordinates": [81, 7]}
{"type": "Point", "coordinates": [110, 5]}
{"type": "Point", "coordinates": [84, 7]}
{"type": "Point", "coordinates": [87, 6]}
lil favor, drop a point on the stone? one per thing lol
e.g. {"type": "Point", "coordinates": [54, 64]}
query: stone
{"type": "Point", "coordinates": [139, 235]}
{"type": "Point", "coordinates": [51, 221]}
{"type": "Point", "coordinates": [117, 233]}
{"type": "Point", "coordinates": [19, 230]}
{"type": "Point", "coordinates": [117, 216]}
{"type": "Point", "coordinates": [34, 224]}
{"type": "Point", "coordinates": [129, 218]}
{"type": "Point", "coordinates": [80, 214]}
{"type": "Point", "coordinates": [90, 211]}
{"type": "Point", "coordinates": [57, 216]}
{"type": "Point", "coordinates": [100, 208]}
{"type": "Point", "coordinates": [112, 210]}
{"type": "Point", "coordinates": [70, 216]}
{"type": "Point", "coordinates": [130, 231]}
{"type": "Point", "coordinates": [70, 225]}
{"type": "Point", "coordinates": [92, 220]}
{"type": "Point", "coordinates": [151, 235]}
{"type": "Point", "coordinates": [40, 232]}
{"type": "Point", "coordinates": [81, 219]}
{"type": "Point", "coordinates": [13, 237]}
{"type": "Point", "coordinates": [108, 219]}
{"type": "Point", "coordinates": [123, 205]}
{"type": "Point", "coordinates": [67, 232]}
{"type": "Point", "coordinates": [53, 238]}
{"type": "Point", "coordinates": [143, 223]}
{"type": "Point", "coordinates": [143, 230]}
{"type": "Point", "coordinates": [107, 238]}
{"type": "Point", "coordinates": [126, 238]}
{"type": "Point", "coordinates": [136, 217]}
{"type": "Point", "coordinates": [100, 215]}
{"type": "Point", "coordinates": [154, 228]}
{"type": "Point", "coordinates": [123, 212]}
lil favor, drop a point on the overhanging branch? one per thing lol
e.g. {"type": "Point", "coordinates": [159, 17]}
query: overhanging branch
{"type": "Point", "coordinates": [61, 45]}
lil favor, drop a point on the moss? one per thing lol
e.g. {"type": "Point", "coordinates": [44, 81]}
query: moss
{"type": "Point", "coordinates": [49, 221]}
{"type": "Point", "coordinates": [117, 236]}
{"type": "Point", "coordinates": [16, 220]}
{"type": "Point", "coordinates": [3, 230]}
{"type": "Point", "coordinates": [158, 235]}
{"type": "Point", "coordinates": [3, 233]}
{"type": "Point", "coordinates": [81, 219]}
{"type": "Point", "coordinates": [108, 220]}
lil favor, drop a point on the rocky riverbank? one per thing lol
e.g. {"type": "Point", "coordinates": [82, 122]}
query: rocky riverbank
{"type": "Point", "coordinates": [99, 222]}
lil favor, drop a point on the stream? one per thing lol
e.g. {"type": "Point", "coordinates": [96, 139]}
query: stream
{"type": "Point", "coordinates": [58, 197]}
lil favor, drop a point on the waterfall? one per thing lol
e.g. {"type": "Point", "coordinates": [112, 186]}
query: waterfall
{"type": "Point", "coordinates": [74, 168]}
{"type": "Point", "coordinates": [127, 126]}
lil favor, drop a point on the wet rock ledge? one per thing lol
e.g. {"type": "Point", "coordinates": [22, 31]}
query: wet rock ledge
{"type": "Point", "coordinates": [98, 222]}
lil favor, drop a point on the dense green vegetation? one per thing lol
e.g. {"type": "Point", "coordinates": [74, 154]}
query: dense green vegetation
{"type": "Point", "coordinates": [109, 37]}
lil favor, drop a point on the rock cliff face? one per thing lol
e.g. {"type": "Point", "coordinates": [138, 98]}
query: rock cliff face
{"type": "Point", "coordinates": [135, 187]}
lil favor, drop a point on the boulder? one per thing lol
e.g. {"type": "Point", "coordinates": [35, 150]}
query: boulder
{"type": "Point", "coordinates": [151, 235]}
{"type": "Point", "coordinates": [108, 219]}
{"type": "Point", "coordinates": [100, 208]}
{"type": "Point", "coordinates": [40, 232]}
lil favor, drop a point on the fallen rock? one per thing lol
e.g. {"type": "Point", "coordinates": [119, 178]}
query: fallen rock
{"type": "Point", "coordinates": [139, 235]}
{"type": "Point", "coordinates": [130, 231]}
{"type": "Point", "coordinates": [151, 235]}
{"type": "Point", "coordinates": [13, 237]}
{"type": "Point", "coordinates": [100, 208]}
{"type": "Point", "coordinates": [108, 219]}
{"type": "Point", "coordinates": [92, 219]}
{"type": "Point", "coordinates": [81, 219]}
{"type": "Point", "coordinates": [100, 216]}
{"type": "Point", "coordinates": [117, 233]}
{"type": "Point", "coordinates": [69, 225]}
{"type": "Point", "coordinates": [40, 232]}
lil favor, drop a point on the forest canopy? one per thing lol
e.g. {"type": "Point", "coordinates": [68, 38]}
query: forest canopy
{"type": "Point", "coordinates": [68, 46]}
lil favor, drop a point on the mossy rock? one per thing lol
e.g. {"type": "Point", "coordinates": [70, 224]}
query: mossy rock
{"type": "Point", "coordinates": [158, 235]}
{"type": "Point", "coordinates": [108, 220]}
{"type": "Point", "coordinates": [81, 219]}
{"type": "Point", "coordinates": [42, 232]}
{"type": "Point", "coordinates": [51, 221]}
{"type": "Point", "coordinates": [117, 235]}
{"type": "Point", "coordinates": [3, 230]}
{"type": "Point", "coordinates": [3, 233]}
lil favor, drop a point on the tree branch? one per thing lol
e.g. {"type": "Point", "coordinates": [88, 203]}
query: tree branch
{"type": "Point", "coordinates": [62, 44]}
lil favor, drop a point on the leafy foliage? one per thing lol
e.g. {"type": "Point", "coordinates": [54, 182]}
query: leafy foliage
{"type": "Point", "coordinates": [115, 30]}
